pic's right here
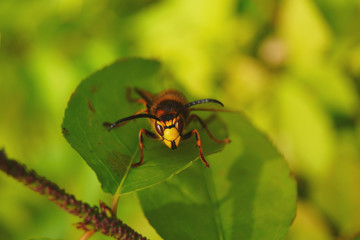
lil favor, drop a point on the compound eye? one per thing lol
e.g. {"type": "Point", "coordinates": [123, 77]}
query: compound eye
{"type": "Point", "coordinates": [159, 129]}
{"type": "Point", "coordinates": [179, 125]}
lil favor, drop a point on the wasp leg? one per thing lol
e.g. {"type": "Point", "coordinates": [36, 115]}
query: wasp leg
{"type": "Point", "coordinates": [203, 124]}
{"type": "Point", "coordinates": [198, 143]}
{"type": "Point", "coordinates": [131, 99]}
{"type": "Point", "coordinates": [145, 97]}
{"type": "Point", "coordinates": [141, 144]}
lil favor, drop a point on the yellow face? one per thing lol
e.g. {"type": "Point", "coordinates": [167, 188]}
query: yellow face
{"type": "Point", "coordinates": [170, 131]}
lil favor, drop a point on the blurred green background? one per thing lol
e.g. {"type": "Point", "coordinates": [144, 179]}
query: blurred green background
{"type": "Point", "coordinates": [292, 66]}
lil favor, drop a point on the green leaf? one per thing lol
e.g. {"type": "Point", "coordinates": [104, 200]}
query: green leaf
{"type": "Point", "coordinates": [102, 97]}
{"type": "Point", "coordinates": [247, 193]}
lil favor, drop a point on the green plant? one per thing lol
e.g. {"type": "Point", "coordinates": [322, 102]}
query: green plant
{"type": "Point", "coordinates": [247, 193]}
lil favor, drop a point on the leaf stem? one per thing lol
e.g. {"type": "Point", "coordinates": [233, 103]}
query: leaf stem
{"type": "Point", "coordinates": [114, 204]}
{"type": "Point", "coordinates": [87, 234]}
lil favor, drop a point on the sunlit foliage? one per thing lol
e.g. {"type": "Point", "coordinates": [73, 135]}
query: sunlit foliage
{"type": "Point", "coordinates": [292, 66]}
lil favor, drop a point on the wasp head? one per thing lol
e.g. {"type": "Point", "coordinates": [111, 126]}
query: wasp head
{"type": "Point", "coordinates": [170, 128]}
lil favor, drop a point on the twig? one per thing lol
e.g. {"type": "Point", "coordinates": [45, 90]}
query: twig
{"type": "Point", "coordinates": [93, 219]}
{"type": "Point", "coordinates": [87, 234]}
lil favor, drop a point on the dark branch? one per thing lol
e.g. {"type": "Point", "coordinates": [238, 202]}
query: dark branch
{"type": "Point", "coordinates": [93, 219]}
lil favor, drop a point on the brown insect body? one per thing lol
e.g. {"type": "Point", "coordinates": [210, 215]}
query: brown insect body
{"type": "Point", "coordinates": [169, 114]}
{"type": "Point", "coordinates": [167, 105]}
{"type": "Point", "coordinates": [168, 102]}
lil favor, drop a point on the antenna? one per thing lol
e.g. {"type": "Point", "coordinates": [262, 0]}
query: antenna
{"type": "Point", "coordinates": [131, 118]}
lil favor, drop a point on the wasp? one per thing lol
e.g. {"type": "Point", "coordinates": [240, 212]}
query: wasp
{"type": "Point", "coordinates": [169, 114]}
